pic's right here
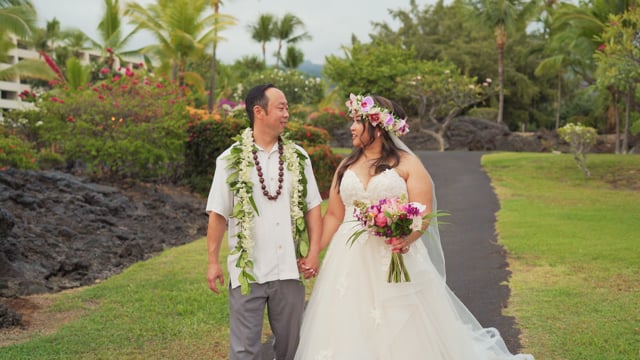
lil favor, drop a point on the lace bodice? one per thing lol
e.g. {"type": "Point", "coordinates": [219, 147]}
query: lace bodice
{"type": "Point", "coordinates": [386, 184]}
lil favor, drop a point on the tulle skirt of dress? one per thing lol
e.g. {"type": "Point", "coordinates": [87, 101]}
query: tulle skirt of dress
{"type": "Point", "coordinates": [354, 313]}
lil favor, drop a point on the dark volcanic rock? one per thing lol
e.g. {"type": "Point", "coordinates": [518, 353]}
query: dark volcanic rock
{"type": "Point", "coordinates": [59, 231]}
{"type": "Point", "coordinates": [8, 317]}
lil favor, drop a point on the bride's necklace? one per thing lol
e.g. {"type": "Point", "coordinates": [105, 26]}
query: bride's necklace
{"type": "Point", "coordinates": [263, 186]}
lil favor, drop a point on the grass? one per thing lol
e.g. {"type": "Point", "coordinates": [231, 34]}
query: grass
{"type": "Point", "coordinates": [574, 252]}
{"type": "Point", "coordinates": [574, 255]}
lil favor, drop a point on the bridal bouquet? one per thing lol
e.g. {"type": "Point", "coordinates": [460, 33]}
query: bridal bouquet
{"type": "Point", "coordinates": [391, 218]}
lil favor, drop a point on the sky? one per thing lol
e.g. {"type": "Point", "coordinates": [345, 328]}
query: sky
{"type": "Point", "coordinates": [331, 23]}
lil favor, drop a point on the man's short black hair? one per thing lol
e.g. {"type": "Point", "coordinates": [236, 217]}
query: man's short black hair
{"type": "Point", "coordinates": [257, 96]}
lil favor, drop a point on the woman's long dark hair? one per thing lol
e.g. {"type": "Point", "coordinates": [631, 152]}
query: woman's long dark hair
{"type": "Point", "coordinates": [390, 152]}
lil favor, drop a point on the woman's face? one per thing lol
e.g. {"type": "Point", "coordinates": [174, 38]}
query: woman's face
{"type": "Point", "coordinates": [359, 135]}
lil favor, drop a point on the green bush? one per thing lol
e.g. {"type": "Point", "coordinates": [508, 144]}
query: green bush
{"type": "Point", "coordinates": [324, 163]}
{"type": "Point", "coordinates": [306, 135]}
{"type": "Point", "coordinates": [298, 88]}
{"type": "Point", "coordinates": [130, 125]}
{"type": "Point", "coordinates": [328, 119]}
{"type": "Point", "coordinates": [50, 160]}
{"type": "Point", "coordinates": [490, 114]}
{"type": "Point", "coordinates": [206, 140]}
{"type": "Point", "coordinates": [16, 153]}
{"type": "Point", "coordinates": [26, 124]}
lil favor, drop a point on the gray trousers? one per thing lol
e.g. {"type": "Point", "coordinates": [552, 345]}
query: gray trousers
{"type": "Point", "coordinates": [284, 300]}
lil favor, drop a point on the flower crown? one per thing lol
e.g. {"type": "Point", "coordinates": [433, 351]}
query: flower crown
{"type": "Point", "coordinates": [376, 115]}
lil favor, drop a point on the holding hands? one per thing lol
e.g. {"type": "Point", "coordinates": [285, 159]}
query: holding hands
{"type": "Point", "coordinates": [308, 266]}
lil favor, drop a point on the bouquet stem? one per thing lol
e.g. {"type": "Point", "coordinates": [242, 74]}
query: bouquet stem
{"type": "Point", "coordinates": [397, 269]}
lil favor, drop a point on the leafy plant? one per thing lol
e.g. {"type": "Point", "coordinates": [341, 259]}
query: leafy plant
{"type": "Point", "coordinates": [16, 153]}
{"type": "Point", "coordinates": [580, 139]}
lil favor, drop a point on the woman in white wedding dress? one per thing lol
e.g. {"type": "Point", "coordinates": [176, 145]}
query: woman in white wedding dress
{"type": "Point", "coordinates": [353, 312]}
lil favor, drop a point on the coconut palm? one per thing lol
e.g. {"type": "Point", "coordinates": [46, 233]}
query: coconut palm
{"type": "Point", "coordinates": [293, 57]}
{"type": "Point", "coordinates": [112, 42]}
{"type": "Point", "coordinates": [504, 16]}
{"type": "Point", "coordinates": [182, 29]}
{"type": "Point", "coordinates": [263, 31]}
{"type": "Point", "coordinates": [18, 19]}
{"type": "Point", "coordinates": [285, 31]}
{"type": "Point", "coordinates": [218, 19]}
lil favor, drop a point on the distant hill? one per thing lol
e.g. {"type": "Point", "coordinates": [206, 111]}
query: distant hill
{"type": "Point", "coordinates": [310, 68]}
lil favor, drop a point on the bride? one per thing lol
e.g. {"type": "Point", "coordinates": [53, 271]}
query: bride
{"type": "Point", "coordinates": [353, 312]}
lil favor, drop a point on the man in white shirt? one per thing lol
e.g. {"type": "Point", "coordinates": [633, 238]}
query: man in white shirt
{"type": "Point", "coordinates": [254, 192]}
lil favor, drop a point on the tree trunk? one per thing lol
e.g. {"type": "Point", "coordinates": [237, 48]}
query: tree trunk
{"type": "Point", "coordinates": [212, 80]}
{"type": "Point", "coordinates": [559, 92]}
{"type": "Point", "coordinates": [437, 136]}
{"type": "Point", "coordinates": [616, 114]}
{"type": "Point", "coordinates": [501, 83]}
{"type": "Point", "coordinates": [627, 119]}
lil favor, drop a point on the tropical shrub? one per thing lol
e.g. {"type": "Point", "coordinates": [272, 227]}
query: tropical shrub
{"type": "Point", "coordinates": [129, 125]}
{"type": "Point", "coordinates": [580, 139]}
{"type": "Point", "coordinates": [299, 89]}
{"type": "Point", "coordinates": [328, 119]}
{"type": "Point", "coordinates": [16, 153]}
{"type": "Point", "coordinates": [206, 140]}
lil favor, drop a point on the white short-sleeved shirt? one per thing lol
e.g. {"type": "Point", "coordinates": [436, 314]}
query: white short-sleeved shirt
{"type": "Point", "coordinates": [274, 251]}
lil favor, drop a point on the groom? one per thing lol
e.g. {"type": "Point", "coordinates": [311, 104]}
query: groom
{"type": "Point", "coordinates": [255, 193]}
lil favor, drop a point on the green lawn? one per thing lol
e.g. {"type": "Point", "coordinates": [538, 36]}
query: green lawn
{"type": "Point", "coordinates": [574, 247]}
{"type": "Point", "coordinates": [574, 252]}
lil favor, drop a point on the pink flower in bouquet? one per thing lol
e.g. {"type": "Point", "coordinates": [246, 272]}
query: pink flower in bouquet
{"type": "Point", "coordinates": [381, 220]}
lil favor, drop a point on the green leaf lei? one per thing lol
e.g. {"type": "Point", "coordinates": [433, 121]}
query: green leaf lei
{"type": "Point", "coordinates": [245, 209]}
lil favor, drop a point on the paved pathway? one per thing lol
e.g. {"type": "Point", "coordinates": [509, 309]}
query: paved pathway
{"type": "Point", "coordinates": [476, 265]}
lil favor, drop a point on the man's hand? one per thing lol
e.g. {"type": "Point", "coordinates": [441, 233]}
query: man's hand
{"type": "Point", "coordinates": [215, 273]}
{"type": "Point", "coordinates": [308, 266]}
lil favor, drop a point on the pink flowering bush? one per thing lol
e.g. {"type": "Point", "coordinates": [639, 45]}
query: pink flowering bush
{"type": "Point", "coordinates": [131, 124]}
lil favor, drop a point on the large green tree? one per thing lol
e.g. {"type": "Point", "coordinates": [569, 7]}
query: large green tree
{"type": "Point", "coordinates": [619, 65]}
{"type": "Point", "coordinates": [370, 68]}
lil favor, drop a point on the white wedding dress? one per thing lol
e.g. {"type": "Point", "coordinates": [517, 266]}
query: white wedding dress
{"type": "Point", "coordinates": [354, 314]}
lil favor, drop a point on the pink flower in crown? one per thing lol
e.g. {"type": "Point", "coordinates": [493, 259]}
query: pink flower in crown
{"type": "Point", "coordinates": [366, 104]}
{"type": "Point", "coordinates": [374, 117]}
{"type": "Point", "coordinates": [352, 103]}
{"type": "Point", "coordinates": [403, 127]}
{"type": "Point", "coordinates": [388, 122]}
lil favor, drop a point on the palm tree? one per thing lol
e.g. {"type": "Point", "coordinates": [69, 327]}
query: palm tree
{"type": "Point", "coordinates": [293, 57]}
{"type": "Point", "coordinates": [284, 31]}
{"type": "Point", "coordinates": [220, 21]}
{"type": "Point", "coordinates": [112, 43]}
{"type": "Point", "coordinates": [45, 39]}
{"type": "Point", "coordinates": [504, 16]}
{"type": "Point", "coordinates": [263, 31]}
{"type": "Point", "coordinates": [18, 19]}
{"type": "Point", "coordinates": [182, 30]}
